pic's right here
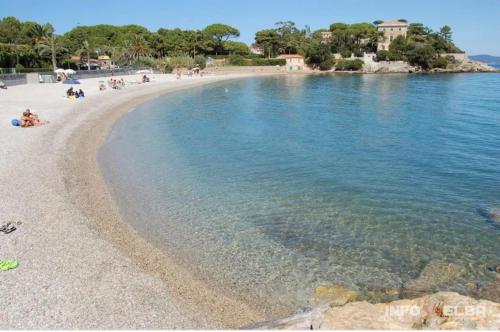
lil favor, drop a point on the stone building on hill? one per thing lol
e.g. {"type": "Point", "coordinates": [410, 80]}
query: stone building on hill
{"type": "Point", "coordinates": [391, 30]}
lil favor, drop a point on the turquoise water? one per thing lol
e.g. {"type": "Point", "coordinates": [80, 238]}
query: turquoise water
{"type": "Point", "coordinates": [269, 187]}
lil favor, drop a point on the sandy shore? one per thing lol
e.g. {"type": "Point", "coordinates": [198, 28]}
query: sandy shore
{"type": "Point", "coordinates": [80, 266]}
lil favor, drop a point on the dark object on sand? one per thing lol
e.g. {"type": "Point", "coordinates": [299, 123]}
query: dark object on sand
{"type": "Point", "coordinates": [71, 81]}
{"type": "Point", "coordinates": [7, 228]}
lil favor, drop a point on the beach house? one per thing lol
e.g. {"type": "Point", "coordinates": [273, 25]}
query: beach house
{"type": "Point", "coordinates": [391, 30]}
{"type": "Point", "coordinates": [294, 62]}
{"type": "Point", "coordinates": [256, 49]}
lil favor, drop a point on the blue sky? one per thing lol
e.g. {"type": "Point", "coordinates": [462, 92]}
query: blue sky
{"type": "Point", "coordinates": [476, 23]}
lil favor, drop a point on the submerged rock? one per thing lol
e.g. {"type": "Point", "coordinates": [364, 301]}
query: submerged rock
{"type": "Point", "coordinates": [334, 295]}
{"type": "Point", "coordinates": [442, 310]}
{"type": "Point", "coordinates": [491, 214]}
{"type": "Point", "coordinates": [382, 295]}
{"type": "Point", "coordinates": [434, 274]}
{"type": "Point", "coordinates": [490, 290]}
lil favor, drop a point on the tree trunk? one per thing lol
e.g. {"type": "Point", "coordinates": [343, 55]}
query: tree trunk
{"type": "Point", "coordinates": [54, 62]}
{"type": "Point", "coordinates": [88, 61]}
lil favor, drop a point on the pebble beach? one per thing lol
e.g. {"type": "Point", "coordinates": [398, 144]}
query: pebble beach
{"type": "Point", "coordinates": [80, 266]}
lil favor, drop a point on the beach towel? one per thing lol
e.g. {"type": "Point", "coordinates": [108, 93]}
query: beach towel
{"type": "Point", "coordinates": [15, 122]}
{"type": "Point", "coordinates": [7, 264]}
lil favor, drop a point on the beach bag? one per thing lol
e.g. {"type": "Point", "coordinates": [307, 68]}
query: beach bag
{"type": "Point", "coordinates": [15, 122]}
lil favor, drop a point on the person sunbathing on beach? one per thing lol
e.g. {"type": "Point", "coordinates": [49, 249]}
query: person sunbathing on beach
{"type": "Point", "coordinates": [30, 119]}
{"type": "Point", "coordinates": [26, 120]}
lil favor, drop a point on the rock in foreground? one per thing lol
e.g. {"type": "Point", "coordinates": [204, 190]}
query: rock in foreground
{"type": "Point", "coordinates": [442, 310]}
{"type": "Point", "coordinates": [434, 274]}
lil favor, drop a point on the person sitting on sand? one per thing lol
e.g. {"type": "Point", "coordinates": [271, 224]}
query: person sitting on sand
{"type": "Point", "coordinates": [26, 120]}
{"type": "Point", "coordinates": [81, 93]}
{"type": "Point", "coordinates": [2, 85]}
{"type": "Point", "coordinates": [70, 92]}
{"type": "Point", "coordinates": [31, 119]}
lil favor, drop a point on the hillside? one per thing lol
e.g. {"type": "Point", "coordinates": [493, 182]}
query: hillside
{"type": "Point", "coordinates": [488, 59]}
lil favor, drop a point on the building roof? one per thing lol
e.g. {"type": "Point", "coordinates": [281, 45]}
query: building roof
{"type": "Point", "coordinates": [291, 56]}
{"type": "Point", "coordinates": [392, 23]}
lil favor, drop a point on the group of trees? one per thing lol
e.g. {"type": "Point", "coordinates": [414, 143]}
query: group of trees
{"type": "Point", "coordinates": [421, 47]}
{"type": "Point", "coordinates": [284, 38]}
{"type": "Point", "coordinates": [30, 44]}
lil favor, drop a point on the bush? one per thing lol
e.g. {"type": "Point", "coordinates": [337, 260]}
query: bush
{"type": "Point", "coordinates": [168, 68]}
{"type": "Point", "coordinates": [351, 65]}
{"type": "Point", "coordinates": [327, 64]}
{"type": "Point", "coordinates": [268, 62]}
{"type": "Point", "coordinates": [383, 55]}
{"type": "Point", "coordinates": [451, 59]}
{"type": "Point", "coordinates": [201, 61]}
{"type": "Point", "coordinates": [440, 62]}
{"type": "Point", "coordinates": [181, 61]}
{"type": "Point", "coordinates": [237, 60]}
{"type": "Point", "coordinates": [345, 53]}
{"type": "Point", "coordinates": [422, 56]}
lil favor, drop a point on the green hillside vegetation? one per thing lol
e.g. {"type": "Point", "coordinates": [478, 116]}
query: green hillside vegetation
{"type": "Point", "coordinates": [421, 47]}
{"type": "Point", "coordinates": [30, 45]}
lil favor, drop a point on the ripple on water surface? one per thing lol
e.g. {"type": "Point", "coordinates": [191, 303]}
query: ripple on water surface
{"type": "Point", "coordinates": [282, 184]}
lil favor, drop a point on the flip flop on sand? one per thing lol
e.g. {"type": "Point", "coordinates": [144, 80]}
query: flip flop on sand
{"type": "Point", "coordinates": [7, 228]}
{"type": "Point", "coordinates": [7, 264]}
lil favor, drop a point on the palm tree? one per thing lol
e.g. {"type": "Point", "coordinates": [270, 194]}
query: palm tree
{"type": "Point", "coordinates": [138, 47]}
{"type": "Point", "coordinates": [50, 45]}
{"type": "Point", "coordinates": [38, 32]}
{"type": "Point", "coordinates": [85, 50]}
{"type": "Point", "coordinates": [123, 53]}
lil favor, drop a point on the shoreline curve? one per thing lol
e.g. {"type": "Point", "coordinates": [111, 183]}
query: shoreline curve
{"type": "Point", "coordinates": [90, 194]}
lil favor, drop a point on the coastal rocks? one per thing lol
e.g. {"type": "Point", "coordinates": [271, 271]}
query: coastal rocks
{"type": "Point", "coordinates": [382, 295]}
{"type": "Point", "coordinates": [491, 290]}
{"type": "Point", "coordinates": [473, 66]}
{"type": "Point", "coordinates": [334, 295]}
{"type": "Point", "coordinates": [434, 274]}
{"type": "Point", "coordinates": [442, 310]}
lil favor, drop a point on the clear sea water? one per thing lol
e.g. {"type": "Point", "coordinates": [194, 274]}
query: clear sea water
{"type": "Point", "coordinates": [271, 186]}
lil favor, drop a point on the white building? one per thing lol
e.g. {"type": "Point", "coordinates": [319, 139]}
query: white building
{"type": "Point", "coordinates": [294, 62]}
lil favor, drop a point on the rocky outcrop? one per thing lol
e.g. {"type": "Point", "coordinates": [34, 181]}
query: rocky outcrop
{"type": "Point", "coordinates": [442, 310]}
{"type": "Point", "coordinates": [471, 66]}
{"type": "Point", "coordinates": [434, 274]}
{"type": "Point", "coordinates": [464, 66]}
